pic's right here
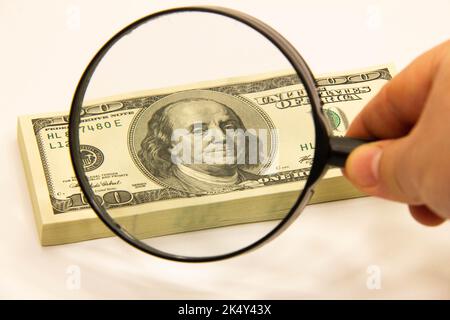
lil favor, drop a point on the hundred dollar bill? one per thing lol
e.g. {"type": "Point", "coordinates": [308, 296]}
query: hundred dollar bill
{"type": "Point", "coordinates": [126, 146]}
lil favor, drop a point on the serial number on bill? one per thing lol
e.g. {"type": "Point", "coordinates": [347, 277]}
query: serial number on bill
{"type": "Point", "coordinates": [226, 309]}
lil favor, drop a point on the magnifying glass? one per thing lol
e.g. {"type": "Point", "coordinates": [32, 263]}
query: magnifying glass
{"type": "Point", "coordinates": [185, 131]}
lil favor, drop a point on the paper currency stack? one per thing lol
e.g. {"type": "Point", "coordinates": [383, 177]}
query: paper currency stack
{"type": "Point", "coordinates": [153, 205]}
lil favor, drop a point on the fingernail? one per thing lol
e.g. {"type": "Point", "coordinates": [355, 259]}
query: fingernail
{"type": "Point", "coordinates": [363, 166]}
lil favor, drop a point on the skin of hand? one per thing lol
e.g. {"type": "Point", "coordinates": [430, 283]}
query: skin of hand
{"type": "Point", "coordinates": [410, 118]}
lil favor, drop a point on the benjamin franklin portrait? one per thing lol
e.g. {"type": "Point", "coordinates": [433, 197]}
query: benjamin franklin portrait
{"type": "Point", "coordinates": [196, 114]}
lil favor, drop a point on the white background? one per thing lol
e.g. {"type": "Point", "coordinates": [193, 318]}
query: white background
{"type": "Point", "coordinates": [45, 46]}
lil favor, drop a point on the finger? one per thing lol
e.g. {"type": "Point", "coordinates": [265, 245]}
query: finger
{"type": "Point", "coordinates": [425, 216]}
{"type": "Point", "coordinates": [396, 108]}
{"type": "Point", "coordinates": [385, 169]}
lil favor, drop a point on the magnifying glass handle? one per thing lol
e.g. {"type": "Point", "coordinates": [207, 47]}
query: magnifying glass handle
{"type": "Point", "coordinates": [341, 147]}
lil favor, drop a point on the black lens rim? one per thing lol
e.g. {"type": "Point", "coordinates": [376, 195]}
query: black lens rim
{"type": "Point", "coordinates": [322, 130]}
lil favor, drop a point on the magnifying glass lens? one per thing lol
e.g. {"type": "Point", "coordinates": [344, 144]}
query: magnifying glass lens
{"type": "Point", "coordinates": [196, 135]}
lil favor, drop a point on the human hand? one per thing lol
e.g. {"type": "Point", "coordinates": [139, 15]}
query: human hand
{"type": "Point", "coordinates": [410, 117]}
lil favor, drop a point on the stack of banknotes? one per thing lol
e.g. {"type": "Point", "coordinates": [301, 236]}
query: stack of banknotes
{"type": "Point", "coordinates": [153, 198]}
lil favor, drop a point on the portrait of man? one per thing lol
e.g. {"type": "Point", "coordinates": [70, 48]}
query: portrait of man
{"type": "Point", "coordinates": [209, 120]}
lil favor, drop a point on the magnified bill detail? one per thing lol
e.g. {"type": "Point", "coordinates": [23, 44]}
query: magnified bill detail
{"type": "Point", "coordinates": [196, 134]}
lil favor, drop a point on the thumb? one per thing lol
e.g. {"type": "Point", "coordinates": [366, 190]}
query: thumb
{"type": "Point", "coordinates": [385, 169]}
